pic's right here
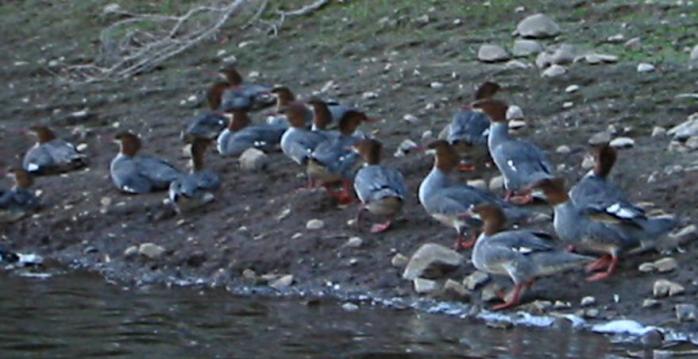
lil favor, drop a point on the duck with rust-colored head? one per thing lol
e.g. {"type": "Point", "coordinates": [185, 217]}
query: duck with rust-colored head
{"type": "Point", "coordinates": [51, 155]}
{"type": "Point", "coordinates": [135, 173]}
{"type": "Point", "coordinates": [602, 231]}
{"type": "Point", "coordinates": [241, 134]}
{"type": "Point", "coordinates": [19, 201]}
{"type": "Point", "coordinates": [298, 142]}
{"type": "Point", "coordinates": [197, 188]}
{"type": "Point", "coordinates": [233, 94]}
{"type": "Point", "coordinates": [448, 201]}
{"type": "Point", "coordinates": [522, 163]}
{"type": "Point", "coordinates": [522, 255]}
{"type": "Point", "coordinates": [380, 189]}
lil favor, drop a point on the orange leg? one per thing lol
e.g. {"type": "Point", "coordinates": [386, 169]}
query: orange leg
{"type": "Point", "coordinates": [466, 167]}
{"type": "Point", "coordinates": [381, 227]}
{"type": "Point", "coordinates": [463, 243]}
{"type": "Point", "coordinates": [346, 196]}
{"type": "Point", "coordinates": [609, 270]}
{"type": "Point", "coordinates": [601, 263]}
{"type": "Point", "coordinates": [515, 298]}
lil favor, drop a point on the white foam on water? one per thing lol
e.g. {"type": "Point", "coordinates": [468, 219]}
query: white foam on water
{"type": "Point", "coordinates": [622, 326]}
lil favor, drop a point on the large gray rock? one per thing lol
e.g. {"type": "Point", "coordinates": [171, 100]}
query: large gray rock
{"type": "Point", "coordinates": [564, 54]}
{"type": "Point", "coordinates": [554, 71]}
{"type": "Point", "coordinates": [666, 288]}
{"type": "Point", "coordinates": [492, 53]}
{"type": "Point", "coordinates": [523, 47]}
{"type": "Point", "coordinates": [151, 250]}
{"type": "Point", "coordinates": [253, 160]}
{"type": "Point", "coordinates": [686, 129]}
{"type": "Point", "coordinates": [537, 26]}
{"type": "Point", "coordinates": [694, 56]}
{"type": "Point", "coordinates": [430, 260]}
{"type": "Point", "coordinates": [425, 286]}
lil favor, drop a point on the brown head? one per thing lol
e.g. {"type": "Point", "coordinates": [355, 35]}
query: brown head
{"type": "Point", "coordinates": [446, 158]}
{"type": "Point", "coordinates": [486, 91]}
{"type": "Point", "coordinates": [492, 216]}
{"type": "Point", "coordinates": [129, 143]}
{"type": "Point", "coordinates": [239, 120]}
{"type": "Point", "coordinates": [370, 150]}
{"type": "Point", "coordinates": [42, 133]}
{"type": "Point", "coordinates": [351, 121]}
{"type": "Point", "coordinates": [323, 116]}
{"type": "Point", "coordinates": [22, 178]}
{"type": "Point", "coordinates": [554, 190]}
{"type": "Point", "coordinates": [295, 112]}
{"type": "Point", "coordinates": [284, 96]}
{"type": "Point", "coordinates": [605, 157]}
{"type": "Point", "coordinates": [215, 95]}
{"type": "Point", "coordinates": [231, 75]}
{"type": "Point", "coordinates": [496, 110]}
{"type": "Point", "coordinates": [198, 150]}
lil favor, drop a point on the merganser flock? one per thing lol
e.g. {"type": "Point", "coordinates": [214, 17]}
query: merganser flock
{"type": "Point", "coordinates": [322, 138]}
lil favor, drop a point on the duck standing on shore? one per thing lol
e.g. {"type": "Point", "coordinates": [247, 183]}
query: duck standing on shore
{"type": "Point", "coordinates": [607, 232]}
{"type": "Point", "coordinates": [521, 162]}
{"type": "Point", "coordinates": [380, 189]}
{"type": "Point", "coordinates": [523, 255]}
{"type": "Point", "coordinates": [19, 201]}
{"type": "Point", "coordinates": [135, 173]}
{"type": "Point", "coordinates": [448, 201]}
{"type": "Point", "coordinates": [51, 154]}
{"type": "Point", "coordinates": [232, 94]}
{"type": "Point", "coordinates": [195, 189]}
{"type": "Point", "coordinates": [241, 135]}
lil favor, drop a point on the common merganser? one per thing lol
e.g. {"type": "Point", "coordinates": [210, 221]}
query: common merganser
{"type": "Point", "coordinates": [380, 189]}
{"type": "Point", "coordinates": [136, 174]}
{"type": "Point", "coordinates": [233, 94]}
{"type": "Point", "coordinates": [448, 201]}
{"type": "Point", "coordinates": [521, 162]}
{"type": "Point", "coordinates": [523, 255]}
{"type": "Point", "coordinates": [196, 188]}
{"type": "Point", "coordinates": [240, 135]}
{"type": "Point", "coordinates": [51, 154]}
{"type": "Point", "coordinates": [333, 161]}
{"type": "Point", "coordinates": [207, 125]}
{"type": "Point", "coordinates": [606, 232]}
{"type": "Point", "coordinates": [298, 142]}
{"type": "Point", "coordinates": [327, 113]}
{"type": "Point", "coordinates": [284, 97]}
{"type": "Point", "coordinates": [19, 201]}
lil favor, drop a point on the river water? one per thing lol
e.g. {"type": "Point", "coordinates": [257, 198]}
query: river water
{"type": "Point", "coordinates": [75, 315]}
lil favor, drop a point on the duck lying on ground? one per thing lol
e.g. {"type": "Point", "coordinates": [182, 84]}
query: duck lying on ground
{"type": "Point", "coordinates": [19, 201]}
{"type": "Point", "coordinates": [51, 155]}
{"type": "Point", "coordinates": [134, 173]}
{"type": "Point", "coordinates": [197, 188]}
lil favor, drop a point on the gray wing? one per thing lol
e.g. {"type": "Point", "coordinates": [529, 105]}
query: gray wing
{"type": "Point", "coordinates": [377, 182]}
{"type": "Point", "coordinates": [159, 172]}
{"type": "Point", "coordinates": [337, 156]}
{"type": "Point", "coordinates": [469, 126]}
{"type": "Point", "coordinates": [207, 125]}
{"type": "Point", "coordinates": [299, 145]}
{"type": "Point", "coordinates": [522, 163]}
{"type": "Point", "coordinates": [594, 194]}
{"type": "Point", "coordinates": [524, 242]}
{"type": "Point", "coordinates": [126, 176]}
{"type": "Point", "coordinates": [37, 159]}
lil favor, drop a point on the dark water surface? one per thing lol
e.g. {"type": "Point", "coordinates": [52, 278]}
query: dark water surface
{"type": "Point", "coordinates": [79, 315]}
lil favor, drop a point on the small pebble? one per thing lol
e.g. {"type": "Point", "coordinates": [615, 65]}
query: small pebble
{"type": "Point", "coordinates": [588, 301]}
{"type": "Point", "coordinates": [645, 67]}
{"type": "Point", "coordinates": [572, 88]}
{"type": "Point", "coordinates": [315, 224]}
{"type": "Point", "coordinates": [350, 307]}
{"type": "Point", "coordinates": [563, 149]}
{"type": "Point", "coordinates": [354, 242]}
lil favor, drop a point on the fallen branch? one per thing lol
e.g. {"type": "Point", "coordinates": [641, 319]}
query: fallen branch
{"type": "Point", "coordinates": [275, 26]}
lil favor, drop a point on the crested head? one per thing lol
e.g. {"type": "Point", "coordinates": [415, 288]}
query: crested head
{"type": "Point", "coordinates": [296, 112]}
{"type": "Point", "coordinates": [351, 121]}
{"type": "Point", "coordinates": [198, 150]}
{"type": "Point", "coordinates": [231, 75]}
{"type": "Point", "coordinates": [492, 216]}
{"type": "Point", "coordinates": [604, 159]}
{"type": "Point", "coordinates": [129, 143]}
{"type": "Point", "coordinates": [238, 120]}
{"type": "Point", "coordinates": [554, 190]}
{"type": "Point", "coordinates": [446, 158]}
{"type": "Point", "coordinates": [486, 90]}
{"type": "Point", "coordinates": [496, 110]}
{"type": "Point", "coordinates": [43, 133]}
{"type": "Point", "coordinates": [22, 178]}
{"type": "Point", "coordinates": [370, 150]}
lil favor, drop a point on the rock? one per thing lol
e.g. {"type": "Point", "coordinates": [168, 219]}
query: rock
{"type": "Point", "coordinates": [693, 58]}
{"type": "Point", "coordinates": [429, 261]}
{"type": "Point", "coordinates": [650, 303]}
{"type": "Point", "coordinates": [540, 306]}
{"type": "Point", "coordinates": [436, 85]}
{"type": "Point", "coordinates": [595, 59]}
{"type": "Point", "coordinates": [537, 26]}
{"type": "Point", "coordinates": [543, 60]}
{"type": "Point", "coordinates": [652, 339]}
{"type": "Point", "coordinates": [561, 305]}
{"type": "Point", "coordinates": [354, 242]}
{"type": "Point", "coordinates": [591, 313]}
{"type": "Point", "coordinates": [600, 138]}
{"type": "Point", "coordinates": [622, 142]}
{"type": "Point", "coordinates": [572, 88]}
{"type": "Point", "coordinates": [514, 113]}
{"type": "Point", "coordinates": [563, 149]}
{"type": "Point", "coordinates": [692, 143]}
{"type": "Point", "coordinates": [554, 71]}
{"type": "Point", "coordinates": [475, 279]}
{"type": "Point", "coordinates": [685, 233]}
{"type": "Point", "coordinates": [666, 265]}
{"type": "Point", "coordinates": [283, 282]}
{"type": "Point", "coordinates": [478, 183]}
{"type": "Point", "coordinates": [253, 159]}
{"type": "Point", "coordinates": [369, 95]}
{"type": "Point", "coordinates": [405, 147]}
{"type": "Point", "coordinates": [492, 53]}
{"type": "Point", "coordinates": [658, 131]}
{"type": "Point", "coordinates": [647, 267]}
{"type": "Point", "coordinates": [131, 251]}
{"type": "Point", "coordinates": [249, 275]}
{"type": "Point", "coordinates": [399, 260]}
{"type": "Point", "coordinates": [496, 183]}
{"type": "Point", "coordinates": [686, 129]}
{"type": "Point", "coordinates": [524, 48]}
{"type": "Point", "coordinates": [151, 250]}
{"type": "Point", "coordinates": [455, 290]}
{"type": "Point", "coordinates": [634, 43]}
{"type": "Point", "coordinates": [350, 307]}
{"type": "Point", "coordinates": [564, 54]}
{"type": "Point", "coordinates": [685, 312]}
{"type": "Point", "coordinates": [315, 224]}
{"type": "Point", "coordinates": [567, 104]}
{"type": "Point", "coordinates": [425, 286]}
{"type": "Point", "coordinates": [663, 288]}
{"type": "Point", "coordinates": [112, 8]}
{"type": "Point", "coordinates": [490, 292]}
{"type": "Point", "coordinates": [410, 118]}
{"type": "Point", "coordinates": [587, 301]}
{"type": "Point", "coordinates": [516, 64]}
{"type": "Point", "coordinates": [645, 67]}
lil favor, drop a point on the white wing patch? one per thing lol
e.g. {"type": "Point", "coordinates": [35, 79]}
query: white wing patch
{"type": "Point", "coordinates": [523, 250]}
{"type": "Point", "coordinates": [32, 167]}
{"type": "Point", "coordinates": [620, 211]}
{"type": "Point", "coordinates": [486, 132]}
{"type": "Point", "coordinates": [128, 189]}
{"type": "Point", "coordinates": [511, 165]}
